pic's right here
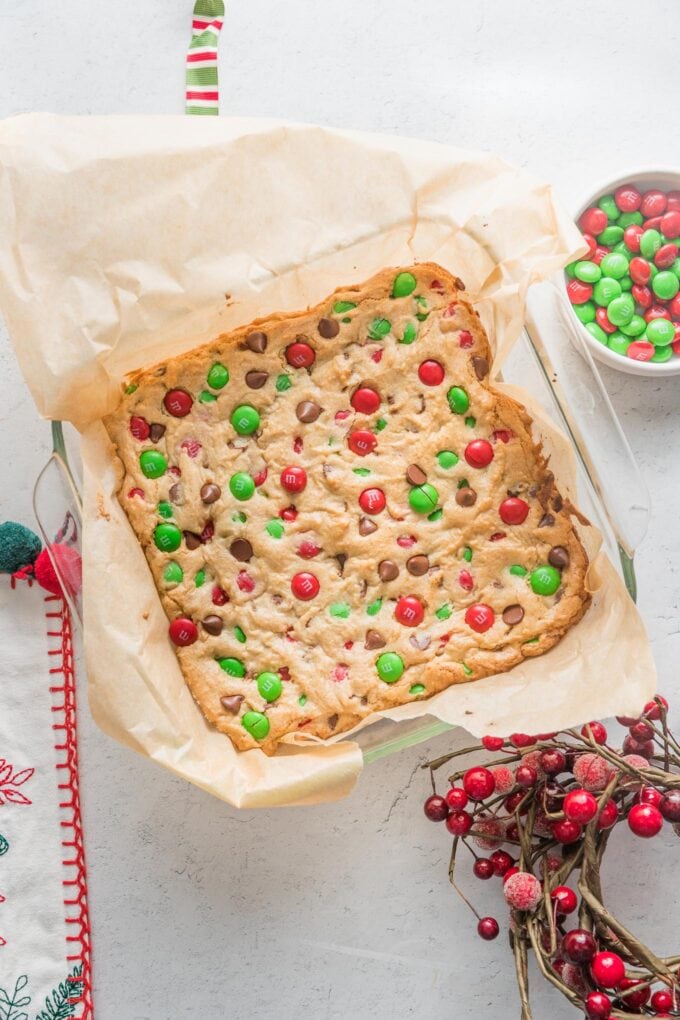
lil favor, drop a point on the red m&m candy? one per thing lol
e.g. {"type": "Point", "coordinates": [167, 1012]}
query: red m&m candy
{"type": "Point", "coordinates": [513, 510]}
{"type": "Point", "coordinates": [300, 355]}
{"type": "Point", "coordinates": [593, 221]}
{"type": "Point", "coordinates": [628, 198]}
{"type": "Point", "coordinates": [640, 350]}
{"type": "Point", "coordinates": [603, 321]}
{"type": "Point", "coordinates": [479, 453]}
{"type": "Point", "coordinates": [365, 400]}
{"type": "Point", "coordinates": [670, 224]}
{"type": "Point", "coordinates": [479, 617]}
{"type": "Point", "coordinates": [632, 235]}
{"type": "Point", "coordinates": [362, 442]}
{"type": "Point", "coordinates": [431, 373]}
{"type": "Point", "coordinates": [293, 479]}
{"type": "Point", "coordinates": [409, 611]}
{"type": "Point", "coordinates": [642, 295]}
{"type": "Point", "coordinates": [372, 501]}
{"type": "Point", "coordinates": [178, 403]}
{"type": "Point", "coordinates": [578, 291]}
{"type": "Point", "coordinates": [183, 631]}
{"type": "Point", "coordinates": [139, 427]}
{"type": "Point", "coordinates": [653, 203]}
{"type": "Point", "coordinates": [305, 586]}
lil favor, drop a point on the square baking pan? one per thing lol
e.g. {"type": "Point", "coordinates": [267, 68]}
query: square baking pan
{"type": "Point", "coordinates": [555, 368]}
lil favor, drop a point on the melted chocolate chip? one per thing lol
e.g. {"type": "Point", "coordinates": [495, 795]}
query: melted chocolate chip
{"type": "Point", "coordinates": [418, 565]}
{"type": "Point", "coordinates": [466, 496]}
{"type": "Point", "coordinates": [176, 494]}
{"type": "Point", "coordinates": [156, 432]}
{"type": "Point", "coordinates": [458, 283]}
{"type": "Point", "coordinates": [415, 475]}
{"type": "Point", "coordinates": [232, 704]}
{"type": "Point", "coordinates": [332, 721]}
{"type": "Point", "coordinates": [558, 557]}
{"type": "Point", "coordinates": [367, 526]}
{"type": "Point", "coordinates": [307, 411]}
{"type": "Point", "coordinates": [388, 570]}
{"type": "Point", "coordinates": [241, 549]}
{"type": "Point", "coordinates": [328, 328]}
{"type": "Point", "coordinates": [212, 625]}
{"type": "Point", "coordinates": [192, 540]}
{"type": "Point", "coordinates": [210, 492]}
{"type": "Point", "coordinates": [256, 379]}
{"type": "Point", "coordinates": [374, 640]}
{"type": "Point", "coordinates": [546, 521]}
{"type": "Point", "coordinates": [512, 615]}
{"type": "Point", "coordinates": [256, 342]}
{"type": "Point", "coordinates": [481, 367]}
{"type": "Point", "coordinates": [342, 559]}
{"type": "Point", "coordinates": [557, 503]}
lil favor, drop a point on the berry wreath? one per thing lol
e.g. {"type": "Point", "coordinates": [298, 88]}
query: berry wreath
{"type": "Point", "coordinates": [554, 800]}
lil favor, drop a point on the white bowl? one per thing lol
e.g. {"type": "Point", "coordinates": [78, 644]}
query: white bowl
{"type": "Point", "coordinates": [667, 180]}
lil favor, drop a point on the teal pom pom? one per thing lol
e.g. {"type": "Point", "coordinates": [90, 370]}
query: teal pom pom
{"type": "Point", "coordinates": [18, 547]}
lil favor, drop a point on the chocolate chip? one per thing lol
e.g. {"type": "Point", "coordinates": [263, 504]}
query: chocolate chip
{"type": "Point", "coordinates": [374, 640]}
{"type": "Point", "coordinates": [307, 411]}
{"type": "Point", "coordinates": [388, 570]}
{"type": "Point", "coordinates": [156, 432]}
{"type": "Point", "coordinates": [458, 283]}
{"type": "Point", "coordinates": [558, 503]}
{"type": "Point", "coordinates": [418, 565]}
{"type": "Point", "coordinates": [328, 328]}
{"type": "Point", "coordinates": [233, 703]}
{"type": "Point", "coordinates": [241, 549]}
{"type": "Point", "coordinates": [546, 521]}
{"type": "Point", "coordinates": [213, 625]}
{"type": "Point", "coordinates": [513, 615]}
{"type": "Point", "coordinates": [332, 721]}
{"type": "Point", "coordinates": [342, 559]}
{"type": "Point", "coordinates": [367, 526]}
{"type": "Point", "coordinates": [210, 492]}
{"type": "Point", "coordinates": [481, 367]}
{"type": "Point", "coordinates": [466, 496]}
{"type": "Point", "coordinates": [256, 379]}
{"type": "Point", "coordinates": [415, 475]}
{"type": "Point", "coordinates": [558, 557]}
{"type": "Point", "coordinates": [176, 494]}
{"type": "Point", "coordinates": [256, 342]}
{"type": "Point", "coordinates": [192, 540]}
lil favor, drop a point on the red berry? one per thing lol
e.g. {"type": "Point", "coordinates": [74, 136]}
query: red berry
{"type": "Point", "coordinates": [459, 823]}
{"type": "Point", "coordinates": [653, 203]}
{"type": "Point", "coordinates": [512, 802]}
{"type": "Point", "coordinates": [666, 256]}
{"type": "Point", "coordinates": [526, 776]}
{"type": "Point", "coordinates": [372, 501]}
{"type": "Point", "coordinates": [479, 617]}
{"type": "Point", "coordinates": [431, 373]}
{"type": "Point", "coordinates": [566, 831]}
{"type": "Point", "coordinates": [565, 898]}
{"type": "Point", "coordinates": [608, 816]}
{"type": "Point", "coordinates": [436, 808]}
{"type": "Point", "coordinates": [628, 198]}
{"type": "Point", "coordinates": [650, 795]}
{"type": "Point", "coordinates": [641, 731]}
{"type": "Point", "coordinates": [653, 709]}
{"type": "Point", "coordinates": [183, 631]}
{"type": "Point", "coordinates": [669, 806]}
{"type": "Point", "coordinates": [293, 479]}
{"type": "Point", "coordinates": [479, 453]}
{"type": "Point", "coordinates": [362, 442]}
{"type": "Point", "coordinates": [645, 820]}
{"type": "Point", "coordinates": [488, 929]}
{"type": "Point", "coordinates": [593, 220]}
{"type": "Point", "coordinates": [579, 292]}
{"type": "Point", "coordinates": [483, 868]}
{"type": "Point", "coordinates": [300, 355]}
{"type": "Point", "coordinates": [512, 833]}
{"type": "Point", "coordinates": [178, 403]}
{"type": "Point", "coordinates": [553, 761]}
{"type": "Point", "coordinates": [513, 510]}
{"type": "Point", "coordinates": [579, 946]}
{"type": "Point", "coordinates": [456, 798]}
{"type": "Point", "coordinates": [522, 740]}
{"type": "Point", "coordinates": [502, 862]}
{"type": "Point", "coordinates": [627, 720]}
{"type": "Point", "coordinates": [642, 295]}
{"type": "Point", "coordinates": [492, 743]}
{"type": "Point", "coordinates": [478, 783]}
{"type": "Point", "coordinates": [409, 611]}
{"type": "Point", "coordinates": [670, 224]}
{"type": "Point", "coordinates": [662, 1000]}
{"type": "Point", "coordinates": [632, 235]}
{"type": "Point", "coordinates": [305, 586]}
{"type": "Point", "coordinates": [597, 731]}
{"type": "Point", "coordinates": [580, 806]}
{"type": "Point", "coordinates": [509, 873]}
{"type": "Point", "coordinates": [640, 350]}
{"type": "Point", "coordinates": [636, 999]}
{"type": "Point", "coordinates": [139, 427]}
{"type": "Point", "coordinates": [365, 400]}
{"type": "Point", "coordinates": [608, 970]}
{"type": "Point", "coordinates": [598, 1006]}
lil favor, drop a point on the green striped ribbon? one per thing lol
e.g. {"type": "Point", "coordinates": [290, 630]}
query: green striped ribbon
{"type": "Point", "coordinates": [202, 90]}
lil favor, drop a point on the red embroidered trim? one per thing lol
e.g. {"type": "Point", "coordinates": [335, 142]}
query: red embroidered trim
{"type": "Point", "coordinates": [66, 744]}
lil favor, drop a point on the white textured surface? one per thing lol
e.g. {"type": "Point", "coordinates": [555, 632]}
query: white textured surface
{"type": "Point", "coordinates": [344, 911]}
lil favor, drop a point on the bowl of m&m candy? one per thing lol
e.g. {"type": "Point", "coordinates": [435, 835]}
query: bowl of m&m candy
{"type": "Point", "coordinates": [625, 291]}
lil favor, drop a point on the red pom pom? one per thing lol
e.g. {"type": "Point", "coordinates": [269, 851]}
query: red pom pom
{"type": "Point", "coordinates": [70, 567]}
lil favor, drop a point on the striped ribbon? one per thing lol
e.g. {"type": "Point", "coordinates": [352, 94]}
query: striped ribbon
{"type": "Point", "coordinates": [202, 92]}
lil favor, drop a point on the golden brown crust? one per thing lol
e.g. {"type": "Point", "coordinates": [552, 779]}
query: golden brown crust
{"type": "Point", "coordinates": [330, 681]}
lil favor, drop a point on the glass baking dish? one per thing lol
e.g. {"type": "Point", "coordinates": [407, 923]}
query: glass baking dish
{"type": "Point", "coordinates": [550, 362]}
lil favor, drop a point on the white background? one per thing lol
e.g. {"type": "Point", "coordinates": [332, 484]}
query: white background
{"type": "Point", "coordinates": [344, 911]}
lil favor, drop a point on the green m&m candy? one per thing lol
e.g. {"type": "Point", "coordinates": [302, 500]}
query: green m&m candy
{"type": "Point", "coordinates": [410, 333]}
{"type": "Point", "coordinates": [444, 612]}
{"type": "Point", "coordinates": [404, 284]}
{"type": "Point", "coordinates": [608, 205]}
{"type": "Point", "coordinates": [588, 272]}
{"type": "Point", "coordinates": [570, 270]}
{"type": "Point", "coordinates": [245, 419]}
{"type": "Point", "coordinates": [611, 235]}
{"type": "Point", "coordinates": [605, 290]}
{"type": "Point", "coordinates": [597, 332]}
{"type": "Point", "coordinates": [341, 610]}
{"type": "Point", "coordinates": [518, 570]}
{"type": "Point", "coordinates": [635, 327]}
{"type": "Point", "coordinates": [257, 724]}
{"type": "Point", "coordinates": [423, 498]}
{"type": "Point", "coordinates": [379, 329]}
{"type": "Point", "coordinates": [459, 402]}
{"type": "Point", "coordinates": [447, 459]}
{"type": "Point", "coordinates": [621, 310]}
{"type": "Point", "coordinates": [585, 312]}
{"type": "Point", "coordinates": [240, 635]}
{"type": "Point", "coordinates": [374, 607]}
{"type": "Point", "coordinates": [241, 486]}
{"type": "Point", "coordinates": [275, 528]}
{"type": "Point", "coordinates": [234, 667]}
{"type": "Point", "coordinates": [153, 463]}
{"type": "Point", "coordinates": [545, 580]}
{"type": "Point", "coordinates": [665, 285]}
{"type": "Point", "coordinates": [269, 685]}
{"type": "Point", "coordinates": [390, 667]}
{"type": "Point", "coordinates": [167, 537]}
{"type": "Point", "coordinates": [629, 219]}
{"type": "Point", "coordinates": [173, 573]}
{"type": "Point", "coordinates": [416, 689]}
{"type": "Point", "coordinates": [282, 383]}
{"type": "Point", "coordinates": [650, 242]}
{"type": "Point", "coordinates": [218, 376]}
{"type": "Point", "coordinates": [618, 343]}
{"type": "Point", "coordinates": [660, 332]}
{"type": "Point", "coordinates": [614, 265]}
{"type": "Point", "coordinates": [340, 307]}
{"type": "Point", "coordinates": [662, 354]}
{"type": "Point", "coordinates": [164, 509]}
{"type": "Point", "coordinates": [199, 579]}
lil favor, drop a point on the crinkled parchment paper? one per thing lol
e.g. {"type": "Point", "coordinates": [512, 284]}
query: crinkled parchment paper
{"type": "Point", "coordinates": [127, 239]}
